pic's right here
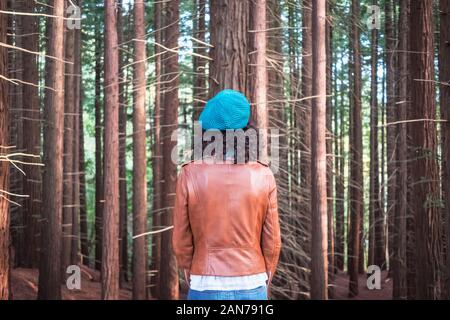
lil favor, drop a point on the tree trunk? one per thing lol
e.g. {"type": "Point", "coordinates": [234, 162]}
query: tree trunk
{"type": "Point", "coordinates": [75, 254]}
{"type": "Point", "coordinates": [303, 122]}
{"type": "Point", "coordinates": [83, 205]}
{"type": "Point", "coordinates": [423, 152]}
{"type": "Point", "coordinates": [157, 164]}
{"type": "Point", "coordinates": [98, 152]}
{"type": "Point", "coordinates": [68, 201]}
{"type": "Point", "coordinates": [229, 54]}
{"type": "Point", "coordinates": [390, 117]}
{"type": "Point", "coordinates": [356, 170]}
{"type": "Point", "coordinates": [444, 76]}
{"type": "Point", "coordinates": [329, 144]}
{"type": "Point", "coordinates": [258, 72]}
{"type": "Point", "coordinates": [16, 115]}
{"type": "Point", "coordinates": [32, 145]}
{"type": "Point", "coordinates": [123, 104]}
{"type": "Point", "coordinates": [169, 270]}
{"type": "Point", "coordinates": [50, 260]}
{"type": "Point", "coordinates": [139, 156]}
{"type": "Point", "coordinates": [319, 227]}
{"type": "Point", "coordinates": [306, 105]}
{"type": "Point", "coordinates": [4, 165]}
{"type": "Point", "coordinates": [376, 223]}
{"type": "Point", "coordinates": [200, 90]}
{"type": "Point", "coordinates": [399, 263]}
{"type": "Point", "coordinates": [339, 185]}
{"type": "Point", "coordinates": [110, 234]}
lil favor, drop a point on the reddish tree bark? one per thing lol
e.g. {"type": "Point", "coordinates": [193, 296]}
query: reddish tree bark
{"type": "Point", "coordinates": [69, 108]}
{"type": "Point", "coordinates": [319, 226]}
{"type": "Point", "coordinates": [157, 164]}
{"type": "Point", "coordinates": [229, 54]}
{"type": "Point", "coordinates": [444, 76]}
{"type": "Point", "coordinates": [376, 221]}
{"type": "Point", "coordinates": [50, 260]}
{"type": "Point", "coordinates": [110, 232]}
{"type": "Point", "coordinates": [98, 152]}
{"type": "Point", "coordinates": [123, 104]}
{"type": "Point", "coordinates": [200, 90]}
{"type": "Point", "coordinates": [75, 253]}
{"type": "Point", "coordinates": [356, 182]}
{"type": "Point", "coordinates": [169, 270]}
{"type": "Point", "coordinates": [424, 170]}
{"type": "Point", "coordinates": [329, 145]}
{"type": "Point", "coordinates": [390, 117]}
{"type": "Point", "coordinates": [257, 78]}
{"type": "Point", "coordinates": [399, 263]}
{"type": "Point", "coordinates": [4, 165]}
{"type": "Point", "coordinates": [139, 156]}
{"type": "Point", "coordinates": [83, 205]}
{"type": "Point", "coordinates": [31, 130]}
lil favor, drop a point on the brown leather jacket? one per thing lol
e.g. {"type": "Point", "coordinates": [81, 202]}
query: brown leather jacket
{"type": "Point", "coordinates": [226, 219]}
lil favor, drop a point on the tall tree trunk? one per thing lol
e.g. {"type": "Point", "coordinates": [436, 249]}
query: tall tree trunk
{"type": "Point", "coordinates": [200, 90]}
{"type": "Point", "coordinates": [376, 227]}
{"type": "Point", "coordinates": [157, 164]}
{"type": "Point", "coordinates": [356, 182]}
{"type": "Point", "coordinates": [306, 105]}
{"type": "Point", "coordinates": [169, 271]}
{"type": "Point", "coordinates": [229, 54]}
{"type": "Point", "coordinates": [444, 76]}
{"type": "Point", "coordinates": [4, 165]}
{"type": "Point", "coordinates": [75, 254]}
{"type": "Point", "coordinates": [423, 152]}
{"type": "Point", "coordinates": [339, 185]}
{"type": "Point", "coordinates": [319, 227]}
{"type": "Point", "coordinates": [32, 145]}
{"type": "Point", "coordinates": [275, 92]}
{"type": "Point", "coordinates": [69, 102]}
{"type": "Point", "coordinates": [390, 117]}
{"type": "Point", "coordinates": [50, 260]}
{"type": "Point", "coordinates": [277, 118]}
{"type": "Point", "coordinates": [329, 144]}
{"type": "Point", "coordinates": [399, 263]}
{"type": "Point", "coordinates": [98, 151]}
{"type": "Point", "coordinates": [16, 115]}
{"type": "Point", "coordinates": [123, 103]}
{"type": "Point", "coordinates": [258, 72]}
{"type": "Point", "coordinates": [110, 234]}
{"type": "Point", "coordinates": [303, 123]}
{"type": "Point", "coordinates": [139, 156]}
{"type": "Point", "coordinates": [83, 205]}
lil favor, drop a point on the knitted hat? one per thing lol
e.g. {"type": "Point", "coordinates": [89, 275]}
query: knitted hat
{"type": "Point", "coordinates": [229, 109]}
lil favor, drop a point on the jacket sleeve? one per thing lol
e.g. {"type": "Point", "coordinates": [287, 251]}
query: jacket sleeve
{"type": "Point", "coordinates": [182, 239]}
{"type": "Point", "coordinates": [271, 238]}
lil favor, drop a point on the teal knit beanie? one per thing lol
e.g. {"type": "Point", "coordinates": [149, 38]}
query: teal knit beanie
{"type": "Point", "coordinates": [229, 109]}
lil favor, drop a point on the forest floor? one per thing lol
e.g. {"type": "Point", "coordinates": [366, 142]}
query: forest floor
{"type": "Point", "coordinates": [341, 288]}
{"type": "Point", "coordinates": [25, 287]}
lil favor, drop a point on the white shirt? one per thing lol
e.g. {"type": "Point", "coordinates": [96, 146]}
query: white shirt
{"type": "Point", "coordinates": [201, 283]}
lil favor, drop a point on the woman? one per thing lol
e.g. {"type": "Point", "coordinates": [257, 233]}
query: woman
{"type": "Point", "coordinates": [226, 234]}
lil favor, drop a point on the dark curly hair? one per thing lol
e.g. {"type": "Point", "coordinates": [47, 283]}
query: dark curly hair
{"type": "Point", "coordinates": [238, 153]}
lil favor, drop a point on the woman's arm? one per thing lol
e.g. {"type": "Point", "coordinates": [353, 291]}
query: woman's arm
{"type": "Point", "coordinates": [182, 239]}
{"type": "Point", "coordinates": [271, 238]}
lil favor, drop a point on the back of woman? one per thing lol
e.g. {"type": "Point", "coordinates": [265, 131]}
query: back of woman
{"type": "Point", "coordinates": [226, 232]}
